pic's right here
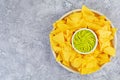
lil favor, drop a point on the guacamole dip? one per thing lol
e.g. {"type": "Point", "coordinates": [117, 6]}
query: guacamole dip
{"type": "Point", "coordinates": [84, 40]}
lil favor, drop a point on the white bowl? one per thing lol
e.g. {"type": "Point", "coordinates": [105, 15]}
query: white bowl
{"type": "Point", "coordinates": [96, 41]}
{"type": "Point", "coordinates": [78, 10]}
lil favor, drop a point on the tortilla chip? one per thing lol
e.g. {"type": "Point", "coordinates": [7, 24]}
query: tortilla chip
{"type": "Point", "coordinates": [59, 38]}
{"type": "Point", "coordinates": [77, 62]}
{"type": "Point", "coordinates": [90, 65]}
{"type": "Point", "coordinates": [66, 53]}
{"type": "Point", "coordinates": [89, 70]}
{"type": "Point", "coordinates": [109, 50]}
{"type": "Point", "coordinates": [59, 58]}
{"type": "Point", "coordinates": [74, 18]}
{"type": "Point", "coordinates": [61, 26]}
{"type": "Point", "coordinates": [104, 45]}
{"type": "Point", "coordinates": [114, 31]}
{"type": "Point", "coordinates": [103, 58]}
{"type": "Point", "coordinates": [87, 11]}
{"type": "Point", "coordinates": [96, 52]}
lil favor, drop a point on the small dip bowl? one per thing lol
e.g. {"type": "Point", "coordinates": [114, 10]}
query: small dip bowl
{"type": "Point", "coordinates": [84, 41]}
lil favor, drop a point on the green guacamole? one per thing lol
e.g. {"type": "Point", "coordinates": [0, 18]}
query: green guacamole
{"type": "Point", "coordinates": [84, 41]}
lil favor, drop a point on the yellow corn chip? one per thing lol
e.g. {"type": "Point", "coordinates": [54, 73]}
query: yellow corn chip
{"type": "Point", "coordinates": [89, 70]}
{"type": "Point", "coordinates": [114, 31]}
{"type": "Point", "coordinates": [59, 58]}
{"type": "Point", "coordinates": [109, 50]}
{"type": "Point", "coordinates": [76, 63]}
{"type": "Point", "coordinates": [74, 19]}
{"type": "Point", "coordinates": [61, 26]}
{"type": "Point", "coordinates": [104, 45]}
{"type": "Point", "coordinates": [66, 53]}
{"type": "Point", "coordinates": [103, 58]}
{"type": "Point", "coordinates": [59, 38]}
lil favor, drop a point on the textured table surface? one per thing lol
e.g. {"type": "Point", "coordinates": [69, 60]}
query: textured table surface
{"type": "Point", "coordinates": [25, 52]}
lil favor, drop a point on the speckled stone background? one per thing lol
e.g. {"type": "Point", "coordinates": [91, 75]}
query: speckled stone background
{"type": "Point", "coordinates": [25, 52]}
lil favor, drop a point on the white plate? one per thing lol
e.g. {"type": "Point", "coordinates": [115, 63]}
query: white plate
{"type": "Point", "coordinates": [77, 10]}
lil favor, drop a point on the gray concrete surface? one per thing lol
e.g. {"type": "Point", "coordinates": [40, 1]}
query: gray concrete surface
{"type": "Point", "coordinates": [25, 52]}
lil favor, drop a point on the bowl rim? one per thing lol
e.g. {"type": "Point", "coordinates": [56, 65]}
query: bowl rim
{"type": "Point", "coordinates": [77, 10]}
{"type": "Point", "coordinates": [96, 42]}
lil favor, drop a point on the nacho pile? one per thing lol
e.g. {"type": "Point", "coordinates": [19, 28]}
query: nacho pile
{"type": "Point", "coordinates": [61, 35]}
